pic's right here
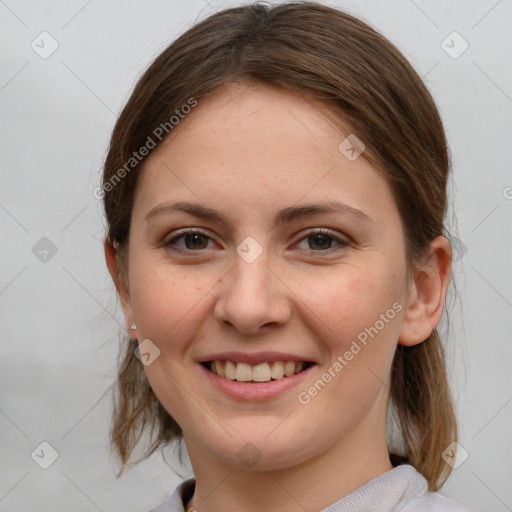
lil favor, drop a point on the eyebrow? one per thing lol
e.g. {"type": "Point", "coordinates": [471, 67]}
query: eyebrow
{"type": "Point", "coordinates": [286, 215]}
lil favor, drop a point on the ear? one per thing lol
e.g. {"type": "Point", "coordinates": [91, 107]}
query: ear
{"type": "Point", "coordinates": [427, 292]}
{"type": "Point", "coordinates": [112, 260]}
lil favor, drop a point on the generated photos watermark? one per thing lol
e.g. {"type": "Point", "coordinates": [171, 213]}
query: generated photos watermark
{"type": "Point", "coordinates": [304, 397]}
{"type": "Point", "coordinates": [157, 135]}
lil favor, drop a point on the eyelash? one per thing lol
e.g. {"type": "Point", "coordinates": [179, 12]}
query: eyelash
{"type": "Point", "coordinates": [191, 231]}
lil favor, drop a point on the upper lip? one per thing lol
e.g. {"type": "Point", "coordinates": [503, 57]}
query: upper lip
{"type": "Point", "coordinates": [254, 358]}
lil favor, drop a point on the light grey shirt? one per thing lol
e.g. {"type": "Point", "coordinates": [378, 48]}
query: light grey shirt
{"type": "Point", "coordinates": [400, 489]}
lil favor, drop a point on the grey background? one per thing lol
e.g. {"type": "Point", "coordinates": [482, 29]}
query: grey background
{"type": "Point", "coordinates": [59, 317]}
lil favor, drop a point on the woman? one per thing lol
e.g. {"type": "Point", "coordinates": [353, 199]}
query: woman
{"type": "Point", "coordinates": [275, 192]}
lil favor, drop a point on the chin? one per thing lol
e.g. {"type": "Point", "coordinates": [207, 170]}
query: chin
{"type": "Point", "coordinates": [258, 453]}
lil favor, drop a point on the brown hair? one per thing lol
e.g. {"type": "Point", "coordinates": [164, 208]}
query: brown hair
{"type": "Point", "coordinates": [329, 56]}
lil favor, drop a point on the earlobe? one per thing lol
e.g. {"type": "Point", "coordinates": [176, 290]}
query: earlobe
{"type": "Point", "coordinates": [427, 292]}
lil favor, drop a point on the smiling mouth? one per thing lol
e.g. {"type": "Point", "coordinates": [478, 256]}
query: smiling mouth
{"type": "Point", "coordinates": [263, 372]}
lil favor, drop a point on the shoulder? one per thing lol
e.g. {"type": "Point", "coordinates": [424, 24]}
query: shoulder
{"type": "Point", "coordinates": [406, 491]}
{"type": "Point", "coordinates": [434, 502]}
{"type": "Point", "coordinates": [180, 495]}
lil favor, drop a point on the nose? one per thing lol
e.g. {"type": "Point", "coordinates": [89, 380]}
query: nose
{"type": "Point", "coordinates": [252, 297]}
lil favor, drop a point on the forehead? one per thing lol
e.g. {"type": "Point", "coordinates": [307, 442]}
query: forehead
{"type": "Point", "coordinates": [259, 148]}
{"type": "Point", "coordinates": [258, 118]}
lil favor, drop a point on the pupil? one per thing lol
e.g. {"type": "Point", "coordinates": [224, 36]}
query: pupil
{"type": "Point", "coordinates": [323, 238]}
{"type": "Point", "coordinates": [195, 238]}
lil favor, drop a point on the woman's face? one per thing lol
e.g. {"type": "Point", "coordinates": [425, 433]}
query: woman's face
{"type": "Point", "coordinates": [272, 279]}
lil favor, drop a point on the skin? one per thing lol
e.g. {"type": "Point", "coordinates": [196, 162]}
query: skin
{"type": "Point", "coordinates": [249, 151]}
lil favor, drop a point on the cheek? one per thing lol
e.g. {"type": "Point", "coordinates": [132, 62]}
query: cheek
{"type": "Point", "coordinates": [361, 314]}
{"type": "Point", "coordinates": [167, 300]}
{"type": "Point", "coordinates": [351, 302]}
{"type": "Point", "coordinates": [362, 317]}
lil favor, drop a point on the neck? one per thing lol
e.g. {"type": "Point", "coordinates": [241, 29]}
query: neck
{"type": "Point", "coordinates": [312, 485]}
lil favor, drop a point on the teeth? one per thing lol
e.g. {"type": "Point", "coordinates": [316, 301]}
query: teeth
{"type": "Point", "coordinates": [289, 368]}
{"type": "Point", "coordinates": [243, 372]}
{"type": "Point", "coordinates": [230, 370]}
{"type": "Point", "coordinates": [277, 370]}
{"type": "Point", "coordinates": [263, 372]}
{"type": "Point", "coordinates": [218, 369]}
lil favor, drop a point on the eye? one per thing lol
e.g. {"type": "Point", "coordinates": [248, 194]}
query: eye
{"type": "Point", "coordinates": [321, 240]}
{"type": "Point", "coordinates": [192, 239]}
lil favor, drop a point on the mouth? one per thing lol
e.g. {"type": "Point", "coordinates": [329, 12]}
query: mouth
{"type": "Point", "coordinates": [257, 373]}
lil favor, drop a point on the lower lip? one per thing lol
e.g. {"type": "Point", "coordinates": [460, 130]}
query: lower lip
{"type": "Point", "coordinates": [255, 391]}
